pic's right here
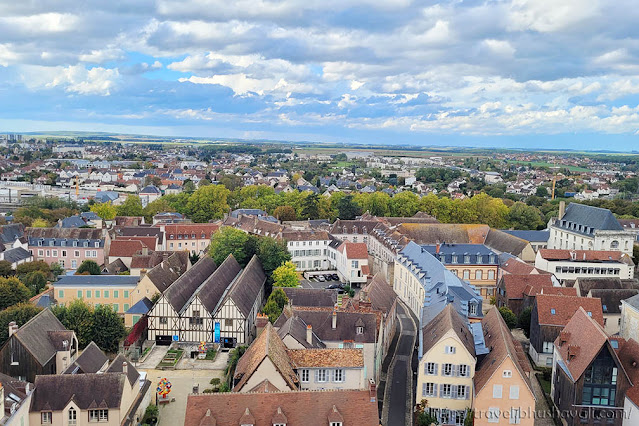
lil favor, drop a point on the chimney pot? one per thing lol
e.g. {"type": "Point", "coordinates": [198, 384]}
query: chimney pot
{"type": "Point", "coordinates": [309, 334]}
{"type": "Point", "coordinates": [125, 368]}
{"type": "Point", "coordinates": [334, 324]}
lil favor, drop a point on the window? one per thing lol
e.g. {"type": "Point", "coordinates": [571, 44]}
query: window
{"type": "Point", "coordinates": [74, 264]}
{"type": "Point", "coordinates": [55, 253]}
{"type": "Point", "coordinates": [552, 311]}
{"type": "Point", "coordinates": [446, 391]}
{"type": "Point", "coordinates": [336, 423]}
{"type": "Point", "coordinates": [515, 416]}
{"type": "Point", "coordinates": [60, 294]}
{"type": "Point", "coordinates": [514, 392]}
{"type": "Point", "coordinates": [106, 293]}
{"type": "Point", "coordinates": [320, 376]}
{"type": "Point", "coordinates": [507, 374]}
{"type": "Point", "coordinates": [493, 415]}
{"type": "Point", "coordinates": [41, 253]}
{"type": "Point", "coordinates": [463, 370]}
{"type": "Point", "coordinates": [228, 322]}
{"type": "Point", "coordinates": [76, 253]}
{"type": "Point", "coordinates": [116, 307]}
{"type": "Point", "coordinates": [448, 369]}
{"type": "Point", "coordinates": [478, 274]}
{"type": "Point", "coordinates": [461, 392]}
{"type": "Point", "coordinates": [430, 368]}
{"type": "Point", "coordinates": [339, 375]}
{"type": "Point", "coordinates": [46, 417]}
{"type": "Point", "coordinates": [466, 258]}
{"type": "Point", "coordinates": [497, 391]}
{"type": "Point", "coordinates": [194, 320]}
{"type": "Point", "coordinates": [449, 350]}
{"type": "Point", "coordinates": [64, 254]}
{"type": "Point", "coordinates": [126, 294]}
{"type": "Point", "coordinates": [98, 415]}
{"type": "Point", "coordinates": [164, 320]}
{"type": "Point", "coordinates": [72, 416]}
{"type": "Point", "coordinates": [466, 274]}
{"type": "Point", "coordinates": [116, 293]}
{"type": "Point", "coordinates": [97, 294]}
{"type": "Point", "coordinates": [354, 264]}
{"type": "Point", "coordinates": [472, 309]}
{"type": "Point", "coordinates": [80, 294]}
{"type": "Point", "coordinates": [548, 346]}
{"type": "Point", "coordinates": [304, 375]}
{"type": "Point", "coordinates": [491, 274]}
{"type": "Point", "coordinates": [428, 389]}
{"type": "Point", "coordinates": [359, 330]}
{"type": "Point", "coordinates": [88, 294]}
{"type": "Point", "coordinates": [126, 307]}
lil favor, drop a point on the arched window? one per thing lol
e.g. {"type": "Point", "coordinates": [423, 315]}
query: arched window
{"type": "Point", "coordinates": [491, 274]}
{"type": "Point", "coordinates": [478, 274]}
{"type": "Point", "coordinates": [614, 244]}
{"type": "Point", "coordinates": [73, 417]}
{"type": "Point", "coordinates": [466, 274]}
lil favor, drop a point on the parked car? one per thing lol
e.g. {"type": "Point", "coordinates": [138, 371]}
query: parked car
{"type": "Point", "coordinates": [335, 277]}
{"type": "Point", "coordinates": [321, 278]}
{"type": "Point", "coordinates": [328, 277]}
{"type": "Point", "coordinates": [336, 286]}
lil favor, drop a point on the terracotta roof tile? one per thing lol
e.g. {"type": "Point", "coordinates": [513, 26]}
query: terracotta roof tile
{"type": "Point", "coordinates": [581, 255]}
{"type": "Point", "coordinates": [516, 284]}
{"type": "Point", "coordinates": [564, 307]}
{"type": "Point", "coordinates": [125, 248]}
{"type": "Point", "coordinates": [347, 358]}
{"type": "Point", "coordinates": [516, 266]}
{"type": "Point", "coordinates": [354, 250]}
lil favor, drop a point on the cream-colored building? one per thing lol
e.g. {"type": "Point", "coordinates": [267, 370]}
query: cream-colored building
{"type": "Point", "coordinates": [503, 391]}
{"type": "Point", "coordinates": [630, 318]}
{"type": "Point", "coordinates": [113, 290]}
{"type": "Point", "coordinates": [574, 264]}
{"type": "Point", "coordinates": [446, 367]}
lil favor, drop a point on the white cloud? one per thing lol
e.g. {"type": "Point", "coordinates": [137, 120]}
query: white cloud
{"type": "Point", "coordinates": [550, 15]}
{"type": "Point", "coordinates": [99, 56]}
{"type": "Point", "coordinates": [41, 23]}
{"type": "Point", "coordinates": [73, 79]}
{"type": "Point", "coordinates": [7, 55]}
{"type": "Point", "coordinates": [500, 47]}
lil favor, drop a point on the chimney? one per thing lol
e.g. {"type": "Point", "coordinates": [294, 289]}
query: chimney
{"type": "Point", "coordinates": [260, 323]}
{"type": "Point", "coordinates": [573, 351]}
{"type": "Point", "coordinates": [437, 247]}
{"type": "Point", "coordinates": [372, 389]}
{"type": "Point", "coordinates": [562, 209]}
{"type": "Point", "coordinates": [334, 324]}
{"type": "Point", "coordinates": [145, 251]}
{"type": "Point", "coordinates": [563, 337]}
{"type": "Point", "coordinates": [125, 368]}
{"type": "Point", "coordinates": [142, 273]}
{"type": "Point", "coordinates": [12, 328]}
{"type": "Point", "coordinates": [309, 334]}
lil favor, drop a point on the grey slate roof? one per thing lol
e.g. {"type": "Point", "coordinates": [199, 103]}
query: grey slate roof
{"type": "Point", "coordinates": [87, 390]}
{"type": "Point", "coordinates": [380, 294]}
{"type": "Point", "coordinates": [115, 267]}
{"type": "Point", "coordinates": [532, 236]}
{"type": "Point", "coordinates": [611, 298]}
{"type": "Point", "coordinates": [116, 367]}
{"type": "Point", "coordinates": [68, 235]}
{"type": "Point", "coordinates": [594, 218]}
{"type": "Point", "coordinates": [321, 320]}
{"type": "Point", "coordinates": [142, 307]}
{"type": "Point", "coordinates": [72, 222]}
{"type": "Point", "coordinates": [478, 254]}
{"type": "Point", "coordinates": [17, 254]}
{"type": "Point", "coordinates": [213, 288]}
{"type": "Point", "coordinates": [91, 360]}
{"type": "Point", "coordinates": [246, 288]}
{"type": "Point", "coordinates": [35, 337]}
{"type": "Point", "coordinates": [504, 242]}
{"type": "Point", "coordinates": [97, 281]}
{"type": "Point", "coordinates": [296, 328]}
{"type": "Point", "coordinates": [633, 301]}
{"type": "Point", "coordinates": [10, 233]}
{"type": "Point", "coordinates": [167, 272]}
{"type": "Point", "coordinates": [448, 319]}
{"type": "Point", "coordinates": [180, 292]}
{"type": "Point", "coordinates": [311, 296]}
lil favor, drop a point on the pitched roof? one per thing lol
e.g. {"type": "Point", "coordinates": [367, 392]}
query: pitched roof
{"type": "Point", "coordinates": [297, 329]}
{"type": "Point", "coordinates": [379, 293]}
{"type": "Point", "coordinates": [592, 217]}
{"type": "Point", "coordinates": [17, 254]}
{"type": "Point", "coordinates": [354, 250]}
{"type": "Point", "coordinates": [97, 281]}
{"type": "Point", "coordinates": [516, 285]}
{"type": "Point", "coordinates": [246, 288]}
{"type": "Point", "coordinates": [188, 229]}
{"type": "Point", "coordinates": [329, 358]}
{"type": "Point", "coordinates": [502, 345]}
{"type": "Point", "coordinates": [115, 267]}
{"type": "Point", "coordinates": [629, 357]}
{"type": "Point", "coordinates": [165, 274]}
{"type": "Point", "coordinates": [557, 310]}
{"type": "Point", "coordinates": [433, 233]}
{"type": "Point", "coordinates": [516, 266]}
{"type": "Point", "coordinates": [305, 235]}
{"type": "Point", "coordinates": [561, 291]}
{"type": "Point", "coordinates": [611, 298]}
{"type": "Point", "coordinates": [505, 243]}
{"type": "Point", "coordinates": [126, 247]}
{"type": "Point", "coordinates": [321, 319]}
{"type": "Point", "coordinates": [532, 236]}
{"type": "Point", "coordinates": [267, 345]}
{"type": "Point", "coordinates": [354, 407]}
{"type": "Point", "coordinates": [447, 320]}
{"type": "Point", "coordinates": [585, 285]}
{"type": "Point", "coordinates": [65, 233]}
{"type": "Point", "coordinates": [55, 391]}
{"type": "Point", "coordinates": [117, 366]}
{"type": "Point", "coordinates": [141, 307]}
{"type": "Point", "coordinates": [34, 336]}
{"type": "Point", "coordinates": [180, 292]}
{"type": "Point", "coordinates": [91, 360]}
{"type": "Point", "coordinates": [584, 333]}
{"type": "Point", "coordinates": [300, 296]}
{"type": "Point", "coordinates": [581, 255]}
{"type": "Point", "coordinates": [213, 287]}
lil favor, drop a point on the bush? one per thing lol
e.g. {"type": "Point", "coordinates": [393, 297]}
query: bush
{"type": "Point", "coordinates": [524, 321]}
{"type": "Point", "coordinates": [509, 317]}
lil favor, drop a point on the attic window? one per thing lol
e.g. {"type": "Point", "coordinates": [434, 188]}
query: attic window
{"type": "Point", "coordinates": [589, 313]}
{"type": "Point", "coordinates": [605, 308]}
{"type": "Point", "coordinates": [359, 330]}
{"type": "Point", "coordinates": [552, 311]}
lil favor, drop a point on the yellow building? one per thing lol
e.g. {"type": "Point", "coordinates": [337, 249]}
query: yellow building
{"type": "Point", "coordinates": [113, 290]}
{"type": "Point", "coordinates": [446, 367]}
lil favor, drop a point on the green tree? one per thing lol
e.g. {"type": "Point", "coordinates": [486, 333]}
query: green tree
{"type": "Point", "coordinates": [208, 202]}
{"type": "Point", "coordinates": [35, 281]}
{"type": "Point", "coordinates": [284, 213]}
{"type": "Point", "coordinates": [132, 206]}
{"type": "Point", "coordinates": [509, 317]}
{"type": "Point", "coordinates": [347, 209]}
{"type": "Point", "coordinates": [160, 205]}
{"type": "Point", "coordinates": [106, 211]}
{"type": "Point", "coordinates": [285, 275]}
{"type": "Point", "coordinates": [275, 304]}
{"type": "Point", "coordinates": [108, 328]}
{"type": "Point", "coordinates": [5, 268]}
{"type": "Point", "coordinates": [404, 204]}
{"type": "Point", "coordinates": [20, 313]}
{"type": "Point", "coordinates": [77, 316]}
{"type": "Point", "coordinates": [39, 223]}
{"type": "Point", "coordinates": [188, 186]}
{"type": "Point", "coordinates": [524, 320]}
{"type": "Point", "coordinates": [272, 253]}
{"type": "Point", "coordinates": [12, 292]}
{"type": "Point", "coordinates": [230, 240]}
{"type": "Point", "coordinates": [541, 191]}
{"type": "Point", "coordinates": [522, 216]}
{"type": "Point", "coordinates": [310, 206]}
{"type": "Point", "coordinates": [36, 265]}
{"type": "Point", "coordinates": [89, 266]}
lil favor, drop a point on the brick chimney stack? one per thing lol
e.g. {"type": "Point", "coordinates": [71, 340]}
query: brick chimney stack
{"type": "Point", "coordinates": [309, 334]}
{"type": "Point", "coordinates": [260, 322]}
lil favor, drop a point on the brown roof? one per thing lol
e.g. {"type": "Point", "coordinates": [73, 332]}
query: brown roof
{"type": "Point", "coordinates": [164, 274]}
{"type": "Point", "coordinates": [246, 288]}
{"type": "Point", "coordinates": [354, 250]}
{"type": "Point", "coordinates": [308, 408]}
{"type": "Point", "coordinates": [561, 291]}
{"type": "Point", "coordinates": [502, 345]}
{"type": "Point", "coordinates": [581, 255]}
{"type": "Point", "coordinates": [564, 307]}
{"type": "Point", "coordinates": [125, 248]}
{"type": "Point", "coordinates": [347, 358]}
{"type": "Point", "coordinates": [300, 296]}
{"type": "Point", "coordinates": [213, 287]}
{"type": "Point", "coordinates": [265, 387]}
{"type": "Point", "coordinates": [516, 284]}
{"type": "Point", "coordinates": [516, 266]}
{"type": "Point", "coordinates": [611, 298]}
{"type": "Point", "coordinates": [585, 285]}
{"type": "Point", "coordinates": [68, 233]}
{"type": "Point", "coordinates": [149, 241]}
{"type": "Point", "coordinates": [179, 293]}
{"type": "Point", "coordinates": [629, 356]}
{"type": "Point", "coordinates": [305, 235]}
{"type": "Point", "coordinates": [587, 335]}
{"type": "Point", "coordinates": [448, 319]}
{"type": "Point", "coordinates": [297, 329]}
{"type": "Point", "coordinates": [189, 229]}
{"type": "Point", "coordinates": [54, 391]}
{"type": "Point", "coordinates": [267, 345]}
{"type": "Point", "coordinates": [379, 293]}
{"type": "Point", "coordinates": [432, 233]}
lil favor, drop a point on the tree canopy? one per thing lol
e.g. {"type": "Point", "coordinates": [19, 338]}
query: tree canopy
{"type": "Point", "coordinates": [285, 275]}
{"type": "Point", "coordinates": [89, 267]}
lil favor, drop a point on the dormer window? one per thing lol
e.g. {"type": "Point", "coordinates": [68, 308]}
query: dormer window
{"type": "Point", "coordinates": [75, 244]}
{"type": "Point", "coordinates": [51, 243]}
{"type": "Point", "coordinates": [466, 258]}
{"type": "Point", "coordinates": [552, 311]}
{"type": "Point", "coordinates": [359, 330]}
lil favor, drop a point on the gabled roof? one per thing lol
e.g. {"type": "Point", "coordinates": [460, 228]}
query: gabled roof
{"type": "Point", "coordinates": [516, 285]}
{"type": "Point", "coordinates": [557, 310]}
{"type": "Point", "coordinates": [587, 335]}
{"type": "Point", "coordinates": [585, 285]}
{"type": "Point", "coordinates": [180, 292]}
{"type": "Point", "coordinates": [379, 293]}
{"type": "Point", "coordinates": [115, 267]}
{"type": "Point", "coordinates": [91, 360]}
{"type": "Point", "coordinates": [17, 254]}
{"type": "Point", "coordinates": [447, 320]}
{"type": "Point", "coordinates": [353, 250]}
{"type": "Point", "coordinates": [141, 307]}
{"type": "Point", "coordinates": [592, 217]}
{"type": "Point", "coordinates": [502, 345]}
{"type": "Point", "coordinates": [126, 247]}
{"type": "Point", "coordinates": [629, 357]}
{"type": "Point", "coordinates": [611, 298]}
{"type": "Point", "coordinates": [35, 336]}
{"type": "Point", "coordinates": [297, 329]}
{"type": "Point", "coordinates": [267, 345]}
{"type": "Point", "coordinates": [55, 391]}
{"type": "Point", "coordinates": [246, 288]}
{"type": "Point", "coordinates": [531, 236]}
{"type": "Point", "coordinates": [65, 233]}
{"type": "Point", "coordinates": [96, 281]}
{"type": "Point", "coordinates": [327, 358]}
{"type": "Point", "coordinates": [322, 322]}
{"type": "Point", "coordinates": [212, 289]}
{"type": "Point", "coordinates": [516, 266]}
{"type": "Point", "coordinates": [117, 366]}
{"type": "Point", "coordinates": [581, 255]}
{"type": "Point", "coordinates": [165, 274]}
{"type": "Point", "coordinates": [504, 242]}
{"type": "Point", "coordinates": [299, 296]}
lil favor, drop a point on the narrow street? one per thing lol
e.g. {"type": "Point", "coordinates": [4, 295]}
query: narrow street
{"type": "Point", "coordinates": [399, 391]}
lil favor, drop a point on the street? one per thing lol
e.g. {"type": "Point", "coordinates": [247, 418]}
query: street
{"type": "Point", "coordinates": [398, 395]}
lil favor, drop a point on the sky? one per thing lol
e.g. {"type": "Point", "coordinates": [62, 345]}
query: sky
{"type": "Point", "coordinates": [519, 73]}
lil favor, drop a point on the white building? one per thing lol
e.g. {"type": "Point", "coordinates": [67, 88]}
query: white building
{"type": "Point", "coordinates": [308, 249]}
{"type": "Point", "coordinates": [351, 262]}
{"type": "Point", "coordinates": [573, 264]}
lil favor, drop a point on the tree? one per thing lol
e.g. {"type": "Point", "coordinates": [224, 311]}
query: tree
{"type": "Point", "coordinates": [188, 186]}
{"type": "Point", "coordinates": [160, 205]}
{"type": "Point", "coordinates": [12, 292]}
{"type": "Point", "coordinates": [39, 223]}
{"type": "Point", "coordinates": [423, 416]}
{"type": "Point", "coordinates": [5, 268]}
{"type": "Point", "coordinates": [77, 316]}
{"type": "Point", "coordinates": [229, 240]}
{"type": "Point", "coordinates": [522, 216]}
{"type": "Point", "coordinates": [347, 209]}
{"type": "Point", "coordinates": [284, 213]}
{"type": "Point", "coordinates": [108, 328]}
{"type": "Point", "coordinates": [310, 207]}
{"type": "Point", "coordinates": [541, 191]}
{"type": "Point", "coordinates": [404, 204]}
{"type": "Point", "coordinates": [509, 317]}
{"type": "Point", "coordinates": [35, 281]}
{"type": "Point", "coordinates": [106, 211]}
{"type": "Point", "coordinates": [285, 275]}
{"type": "Point", "coordinates": [272, 253]}
{"type": "Point", "coordinates": [275, 304]}
{"type": "Point", "coordinates": [36, 265]}
{"type": "Point", "coordinates": [524, 320]}
{"type": "Point", "coordinates": [89, 266]}
{"type": "Point", "coordinates": [20, 313]}
{"type": "Point", "coordinates": [132, 206]}
{"type": "Point", "coordinates": [208, 202]}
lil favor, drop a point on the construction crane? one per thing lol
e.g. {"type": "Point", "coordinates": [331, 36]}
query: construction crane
{"type": "Point", "coordinates": [554, 181]}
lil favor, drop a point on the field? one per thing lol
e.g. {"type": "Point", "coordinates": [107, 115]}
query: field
{"type": "Point", "coordinates": [545, 164]}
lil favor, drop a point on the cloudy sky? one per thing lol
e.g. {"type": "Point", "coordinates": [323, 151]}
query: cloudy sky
{"type": "Point", "coordinates": [518, 73]}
